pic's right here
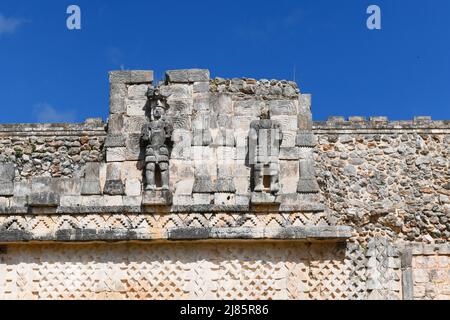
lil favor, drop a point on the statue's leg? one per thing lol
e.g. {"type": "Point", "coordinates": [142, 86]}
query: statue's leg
{"type": "Point", "coordinates": [258, 177]}
{"type": "Point", "coordinates": [274, 178]}
{"type": "Point", "coordinates": [150, 176]}
{"type": "Point", "coordinates": [164, 169]}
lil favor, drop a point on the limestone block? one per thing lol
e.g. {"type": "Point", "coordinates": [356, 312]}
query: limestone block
{"type": "Point", "coordinates": [226, 199]}
{"type": "Point", "coordinates": [289, 137]}
{"type": "Point", "coordinates": [223, 137]}
{"type": "Point", "coordinates": [115, 124]}
{"type": "Point", "coordinates": [117, 95]}
{"type": "Point", "coordinates": [93, 201]}
{"type": "Point", "coordinates": [249, 108]}
{"type": "Point", "coordinates": [224, 121]}
{"type": "Point", "coordinates": [116, 154]}
{"type": "Point", "coordinates": [242, 124]}
{"type": "Point", "coordinates": [157, 198]}
{"type": "Point", "coordinates": [201, 102]}
{"type": "Point", "coordinates": [306, 153]}
{"type": "Point", "coordinates": [288, 123]}
{"type": "Point", "coordinates": [4, 202]}
{"type": "Point", "coordinates": [7, 173]}
{"type": "Point", "coordinates": [115, 140]}
{"type": "Point", "coordinates": [138, 91]}
{"type": "Point", "coordinates": [183, 200]}
{"type": "Point", "coordinates": [184, 187]}
{"type": "Point", "coordinates": [66, 186]}
{"type": "Point", "coordinates": [181, 122]}
{"type": "Point", "coordinates": [201, 87]}
{"type": "Point", "coordinates": [134, 124]}
{"type": "Point", "coordinates": [289, 185]}
{"type": "Point", "coordinates": [203, 198]}
{"type": "Point", "coordinates": [242, 185]}
{"type": "Point", "coordinates": [226, 154]}
{"type": "Point", "coordinates": [136, 107]}
{"type": "Point", "coordinates": [242, 200]}
{"type": "Point", "coordinates": [289, 153]}
{"type": "Point", "coordinates": [241, 138]}
{"type": "Point", "coordinates": [91, 187]}
{"type": "Point", "coordinates": [113, 184]}
{"type": "Point", "coordinates": [225, 184]}
{"type": "Point", "coordinates": [264, 198]}
{"type": "Point", "coordinates": [133, 201]}
{"type": "Point", "coordinates": [131, 76]}
{"type": "Point", "coordinates": [201, 137]}
{"type": "Point", "coordinates": [187, 75]}
{"type": "Point", "coordinates": [181, 170]}
{"type": "Point", "coordinates": [132, 170]}
{"type": "Point", "coordinates": [134, 150]}
{"type": "Point", "coordinates": [202, 153]}
{"type": "Point", "coordinates": [289, 169]}
{"type": "Point", "coordinates": [18, 202]}
{"type": "Point", "coordinates": [22, 189]}
{"type": "Point", "coordinates": [304, 116]}
{"type": "Point", "coordinates": [176, 91]}
{"type": "Point", "coordinates": [114, 187]}
{"type": "Point", "coordinates": [306, 139]}
{"type": "Point", "coordinates": [241, 169]}
{"type": "Point", "coordinates": [283, 108]}
{"type": "Point", "coordinates": [179, 107]}
{"type": "Point", "coordinates": [203, 184]}
{"type": "Point", "coordinates": [70, 201]}
{"type": "Point", "coordinates": [6, 188]}
{"type": "Point", "coordinates": [43, 199]}
{"type": "Point", "coordinates": [133, 187]}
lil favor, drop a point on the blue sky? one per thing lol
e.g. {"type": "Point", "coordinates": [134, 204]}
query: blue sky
{"type": "Point", "coordinates": [49, 73]}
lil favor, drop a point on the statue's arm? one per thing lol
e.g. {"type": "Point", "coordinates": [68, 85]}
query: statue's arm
{"type": "Point", "coordinates": [168, 129]}
{"type": "Point", "coordinates": [280, 132]}
{"type": "Point", "coordinates": [145, 133]}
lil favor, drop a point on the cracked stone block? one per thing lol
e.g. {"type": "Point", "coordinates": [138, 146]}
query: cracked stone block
{"type": "Point", "coordinates": [116, 154]}
{"type": "Point", "coordinates": [249, 108]}
{"type": "Point", "coordinates": [7, 173]}
{"type": "Point", "coordinates": [158, 197]}
{"type": "Point", "coordinates": [91, 181]}
{"type": "Point", "coordinates": [264, 198]}
{"type": "Point", "coordinates": [138, 92]}
{"type": "Point", "coordinates": [117, 140]}
{"type": "Point", "coordinates": [187, 75]}
{"type": "Point", "coordinates": [43, 199]}
{"type": "Point", "coordinates": [136, 107]}
{"type": "Point", "coordinates": [114, 184]}
{"type": "Point", "coordinates": [282, 108]}
{"type": "Point", "coordinates": [133, 187]}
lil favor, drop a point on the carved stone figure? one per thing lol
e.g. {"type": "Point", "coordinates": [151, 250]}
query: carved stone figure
{"type": "Point", "coordinates": [264, 147]}
{"type": "Point", "coordinates": [156, 136]}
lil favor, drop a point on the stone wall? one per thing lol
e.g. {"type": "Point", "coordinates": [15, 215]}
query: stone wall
{"type": "Point", "coordinates": [51, 150]}
{"type": "Point", "coordinates": [385, 178]}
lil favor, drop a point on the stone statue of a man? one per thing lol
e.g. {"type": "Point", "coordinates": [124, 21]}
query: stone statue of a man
{"type": "Point", "coordinates": [156, 136]}
{"type": "Point", "coordinates": [265, 138]}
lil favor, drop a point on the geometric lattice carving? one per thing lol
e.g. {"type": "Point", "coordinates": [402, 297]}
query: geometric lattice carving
{"type": "Point", "coordinates": [158, 223]}
{"type": "Point", "coordinates": [355, 263]}
{"type": "Point", "coordinates": [229, 270]}
{"type": "Point", "coordinates": [383, 270]}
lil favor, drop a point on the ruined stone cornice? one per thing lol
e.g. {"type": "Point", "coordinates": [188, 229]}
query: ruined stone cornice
{"type": "Point", "coordinates": [89, 127]}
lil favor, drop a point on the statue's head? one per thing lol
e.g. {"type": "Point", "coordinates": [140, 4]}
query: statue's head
{"type": "Point", "coordinates": [158, 112]}
{"type": "Point", "coordinates": [265, 113]}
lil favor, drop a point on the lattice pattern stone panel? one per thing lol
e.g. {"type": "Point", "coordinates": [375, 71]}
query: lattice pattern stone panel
{"type": "Point", "coordinates": [221, 270]}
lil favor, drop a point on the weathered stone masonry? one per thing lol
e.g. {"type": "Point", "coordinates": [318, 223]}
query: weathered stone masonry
{"type": "Point", "coordinates": [361, 210]}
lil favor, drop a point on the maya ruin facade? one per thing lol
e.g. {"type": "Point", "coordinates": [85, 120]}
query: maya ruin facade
{"type": "Point", "coordinates": [200, 188]}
